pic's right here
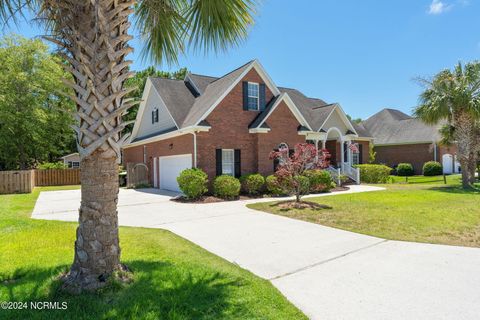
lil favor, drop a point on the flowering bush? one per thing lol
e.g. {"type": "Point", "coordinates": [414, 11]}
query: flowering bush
{"type": "Point", "coordinates": [306, 156]}
{"type": "Point", "coordinates": [226, 187]}
{"type": "Point", "coordinates": [252, 183]}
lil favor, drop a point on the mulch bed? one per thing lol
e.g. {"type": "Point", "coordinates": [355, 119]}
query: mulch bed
{"type": "Point", "coordinates": [213, 199]}
{"type": "Point", "coordinates": [343, 188]}
{"type": "Point", "coordinates": [292, 204]}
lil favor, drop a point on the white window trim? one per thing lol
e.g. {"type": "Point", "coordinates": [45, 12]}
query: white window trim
{"type": "Point", "coordinates": [257, 97]}
{"type": "Point", "coordinates": [233, 162]}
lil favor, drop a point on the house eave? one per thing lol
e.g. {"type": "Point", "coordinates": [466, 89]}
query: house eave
{"type": "Point", "coordinates": [168, 135]}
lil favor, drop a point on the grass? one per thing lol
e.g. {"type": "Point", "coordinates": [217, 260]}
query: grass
{"type": "Point", "coordinates": [424, 210]}
{"type": "Point", "coordinates": [173, 278]}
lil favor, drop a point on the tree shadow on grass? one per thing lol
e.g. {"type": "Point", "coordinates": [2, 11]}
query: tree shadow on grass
{"type": "Point", "coordinates": [457, 190]}
{"type": "Point", "coordinates": [160, 290]}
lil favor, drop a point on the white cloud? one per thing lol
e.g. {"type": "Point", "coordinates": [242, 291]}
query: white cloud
{"type": "Point", "coordinates": [438, 7]}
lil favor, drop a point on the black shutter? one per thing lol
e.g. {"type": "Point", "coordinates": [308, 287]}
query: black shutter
{"type": "Point", "coordinates": [262, 96]}
{"type": "Point", "coordinates": [238, 165]}
{"type": "Point", "coordinates": [156, 115]}
{"type": "Point", "coordinates": [218, 161]}
{"type": "Point", "coordinates": [360, 153]}
{"type": "Point", "coordinates": [153, 116]}
{"type": "Point", "coordinates": [245, 95]}
{"type": "Point", "coordinates": [345, 152]}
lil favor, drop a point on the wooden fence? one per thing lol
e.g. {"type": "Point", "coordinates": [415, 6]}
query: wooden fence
{"type": "Point", "coordinates": [17, 181]}
{"type": "Point", "coordinates": [57, 177]}
{"type": "Point", "coordinates": [24, 181]}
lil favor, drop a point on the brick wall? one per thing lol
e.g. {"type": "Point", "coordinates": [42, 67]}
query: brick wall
{"type": "Point", "coordinates": [416, 154]}
{"type": "Point", "coordinates": [283, 125]}
{"type": "Point", "coordinates": [169, 147]}
{"type": "Point", "coordinates": [365, 150]}
{"type": "Point", "coordinates": [229, 130]}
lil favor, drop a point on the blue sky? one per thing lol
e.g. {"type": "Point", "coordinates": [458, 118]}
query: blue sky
{"type": "Point", "coordinates": [363, 54]}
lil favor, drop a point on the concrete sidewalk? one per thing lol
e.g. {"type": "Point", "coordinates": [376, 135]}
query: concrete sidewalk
{"type": "Point", "coordinates": [328, 273]}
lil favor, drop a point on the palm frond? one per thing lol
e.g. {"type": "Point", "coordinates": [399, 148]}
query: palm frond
{"type": "Point", "coordinates": [168, 26]}
{"type": "Point", "coordinates": [11, 10]}
{"type": "Point", "coordinates": [218, 24]}
{"type": "Point", "coordinates": [161, 24]}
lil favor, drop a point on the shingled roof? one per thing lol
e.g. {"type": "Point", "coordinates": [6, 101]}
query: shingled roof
{"type": "Point", "coordinates": [391, 126]}
{"type": "Point", "coordinates": [189, 100]}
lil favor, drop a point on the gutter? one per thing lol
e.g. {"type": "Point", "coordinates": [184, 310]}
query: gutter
{"type": "Point", "coordinates": [194, 133]}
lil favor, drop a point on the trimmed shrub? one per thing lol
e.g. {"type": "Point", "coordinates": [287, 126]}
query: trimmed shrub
{"type": "Point", "coordinates": [226, 187]}
{"type": "Point", "coordinates": [374, 173]}
{"type": "Point", "coordinates": [252, 183]}
{"type": "Point", "coordinates": [193, 183]}
{"type": "Point", "coordinates": [304, 183]}
{"type": "Point", "coordinates": [404, 169]}
{"type": "Point", "coordinates": [320, 180]}
{"type": "Point", "coordinates": [52, 165]}
{"type": "Point", "coordinates": [274, 187]}
{"type": "Point", "coordinates": [432, 168]}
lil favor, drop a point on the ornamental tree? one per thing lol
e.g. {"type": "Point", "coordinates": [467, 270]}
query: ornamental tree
{"type": "Point", "coordinates": [292, 166]}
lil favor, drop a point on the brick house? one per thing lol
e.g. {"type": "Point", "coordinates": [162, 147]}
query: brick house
{"type": "Point", "coordinates": [399, 138]}
{"type": "Point", "coordinates": [230, 124]}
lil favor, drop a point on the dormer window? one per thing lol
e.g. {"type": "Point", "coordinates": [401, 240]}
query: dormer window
{"type": "Point", "coordinates": [253, 96]}
{"type": "Point", "coordinates": [154, 115]}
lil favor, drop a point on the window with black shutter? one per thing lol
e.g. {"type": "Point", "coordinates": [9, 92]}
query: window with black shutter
{"type": "Point", "coordinates": [228, 161]}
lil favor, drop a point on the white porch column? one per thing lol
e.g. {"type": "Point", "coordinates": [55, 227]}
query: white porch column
{"type": "Point", "coordinates": [324, 142]}
{"type": "Point", "coordinates": [342, 151]}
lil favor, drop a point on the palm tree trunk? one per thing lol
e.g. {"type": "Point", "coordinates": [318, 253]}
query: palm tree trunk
{"type": "Point", "coordinates": [97, 251]}
{"type": "Point", "coordinates": [472, 168]}
{"type": "Point", "coordinates": [465, 174]}
{"type": "Point", "coordinates": [465, 135]}
{"type": "Point", "coordinates": [94, 36]}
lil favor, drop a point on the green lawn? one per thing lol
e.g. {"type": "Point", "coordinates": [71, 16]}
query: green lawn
{"type": "Point", "coordinates": [173, 278]}
{"type": "Point", "coordinates": [424, 210]}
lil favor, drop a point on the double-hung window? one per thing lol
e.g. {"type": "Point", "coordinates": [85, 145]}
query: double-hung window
{"type": "Point", "coordinates": [228, 162]}
{"type": "Point", "coordinates": [253, 96]}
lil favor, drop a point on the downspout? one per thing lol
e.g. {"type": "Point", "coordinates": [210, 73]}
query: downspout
{"type": "Point", "coordinates": [194, 148]}
{"type": "Point", "coordinates": [434, 151]}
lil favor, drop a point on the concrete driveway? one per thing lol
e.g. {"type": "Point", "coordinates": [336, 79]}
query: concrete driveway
{"type": "Point", "coordinates": [328, 273]}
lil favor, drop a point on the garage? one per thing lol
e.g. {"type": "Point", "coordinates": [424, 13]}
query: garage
{"type": "Point", "coordinates": [170, 168]}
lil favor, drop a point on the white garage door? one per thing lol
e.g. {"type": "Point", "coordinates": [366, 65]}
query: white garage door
{"type": "Point", "coordinates": [170, 168]}
{"type": "Point", "coordinates": [447, 163]}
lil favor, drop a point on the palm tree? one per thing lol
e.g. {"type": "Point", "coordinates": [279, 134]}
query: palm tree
{"type": "Point", "coordinates": [454, 96]}
{"type": "Point", "coordinates": [92, 36]}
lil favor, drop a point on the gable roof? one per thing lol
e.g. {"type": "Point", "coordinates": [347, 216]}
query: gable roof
{"type": "Point", "coordinates": [390, 126]}
{"type": "Point", "coordinates": [191, 100]}
{"type": "Point", "coordinates": [259, 121]}
{"type": "Point", "coordinates": [177, 97]}
{"type": "Point", "coordinates": [211, 94]}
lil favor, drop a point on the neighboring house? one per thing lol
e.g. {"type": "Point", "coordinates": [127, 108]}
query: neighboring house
{"type": "Point", "coordinates": [229, 125]}
{"type": "Point", "coordinates": [72, 160]}
{"type": "Point", "coordinates": [399, 138]}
